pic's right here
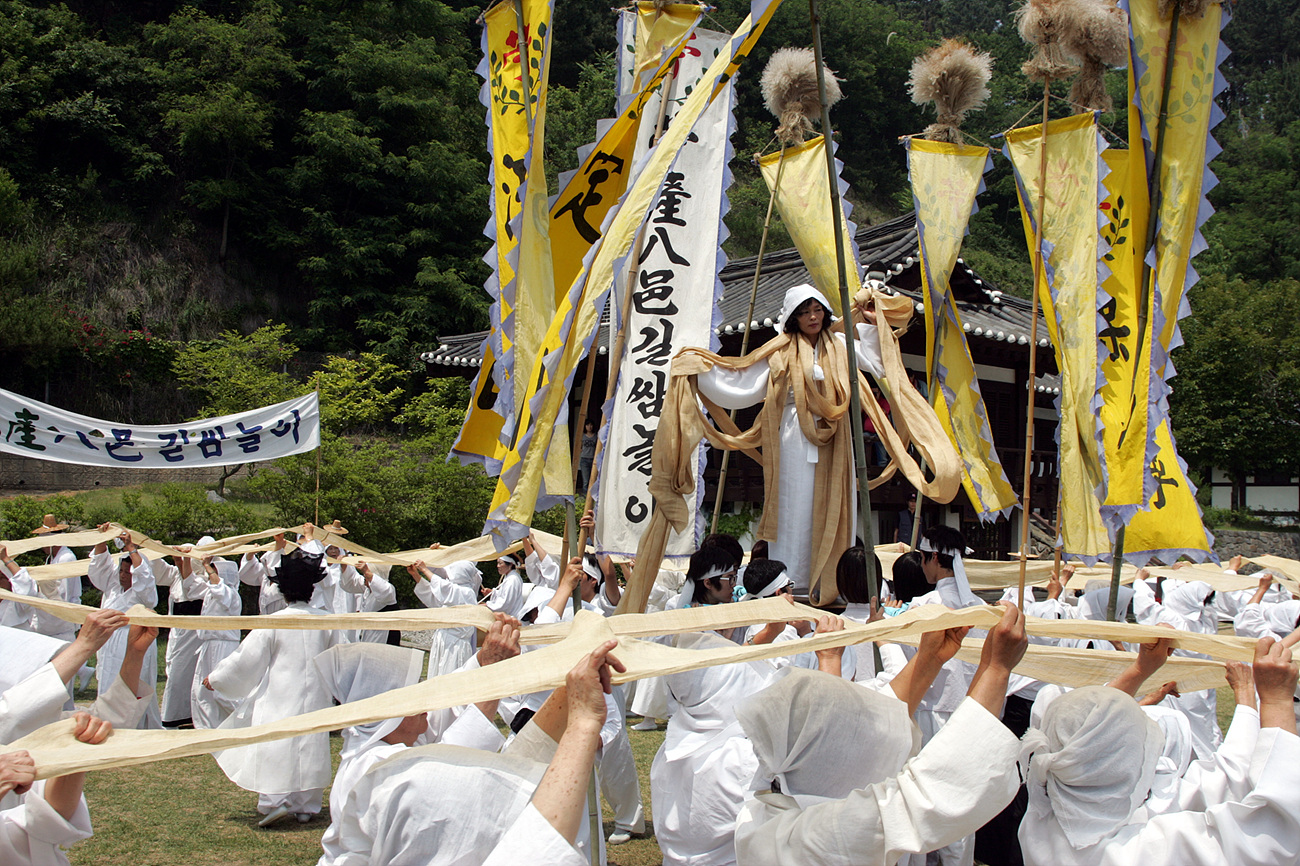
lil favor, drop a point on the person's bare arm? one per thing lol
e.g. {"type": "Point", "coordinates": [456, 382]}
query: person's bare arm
{"type": "Point", "coordinates": [63, 793]}
{"type": "Point", "coordinates": [1242, 680]}
{"type": "Point", "coordinates": [1264, 583]}
{"type": "Point", "coordinates": [95, 632]}
{"type": "Point", "coordinates": [1003, 649]}
{"type": "Point", "coordinates": [501, 643]}
{"type": "Point", "coordinates": [1275, 680]}
{"type": "Point", "coordinates": [561, 797]}
{"type": "Point", "coordinates": [563, 597]}
{"type": "Point", "coordinates": [138, 641]}
{"type": "Point", "coordinates": [830, 661]}
{"type": "Point", "coordinates": [1150, 658]}
{"type": "Point", "coordinates": [916, 677]}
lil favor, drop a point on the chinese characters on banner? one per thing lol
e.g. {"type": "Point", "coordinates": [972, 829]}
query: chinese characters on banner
{"type": "Point", "coordinates": [43, 432]}
{"type": "Point", "coordinates": [674, 304]}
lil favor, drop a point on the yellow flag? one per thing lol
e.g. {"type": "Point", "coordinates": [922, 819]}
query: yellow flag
{"type": "Point", "coordinates": [1125, 354]}
{"type": "Point", "coordinates": [659, 30]}
{"type": "Point", "coordinates": [574, 326]}
{"type": "Point", "coordinates": [804, 202]}
{"type": "Point", "coordinates": [1171, 526]}
{"type": "Point", "coordinates": [1067, 290]}
{"type": "Point", "coordinates": [945, 180]}
{"type": "Point", "coordinates": [511, 108]}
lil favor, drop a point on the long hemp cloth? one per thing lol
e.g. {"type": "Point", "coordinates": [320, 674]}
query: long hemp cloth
{"type": "Point", "coordinates": [823, 410]}
{"type": "Point", "coordinates": [57, 752]}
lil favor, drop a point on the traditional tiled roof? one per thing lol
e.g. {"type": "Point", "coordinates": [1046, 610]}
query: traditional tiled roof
{"type": "Point", "coordinates": [888, 251]}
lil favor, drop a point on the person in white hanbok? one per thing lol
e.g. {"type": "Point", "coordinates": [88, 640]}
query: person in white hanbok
{"type": "Point", "coordinates": [840, 780]}
{"type": "Point", "coordinates": [1188, 607]}
{"type": "Point", "coordinates": [369, 591]}
{"type": "Point", "coordinates": [806, 315]}
{"type": "Point", "coordinates": [273, 677]}
{"type": "Point", "coordinates": [354, 672]}
{"type": "Point", "coordinates": [256, 571]}
{"type": "Point", "coordinates": [456, 584]}
{"type": "Point", "coordinates": [1091, 765]}
{"type": "Point", "coordinates": [442, 805]}
{"type": "Point", "coordinates": [39, 819]}
{"type": "Point", "coordinates": [125, 581]}
{"type": "Point", "coordinates": [851, 578]}
{"type": "Point", "coordinates": [185, 587]}
{"type": "Point", "coordinates": [68, 589]}
{"type": "Point", "coordinates": [1259, 617]}
{"type": "Point", "coordinates": [14, 578]}
{"type": "Point", "coordinates": [542, 568]}
{"type": "Point", "coordinates": [219, 594]}
{"type": "Point", "coordinates": [702, 772]}
{"type": "Point", "coordinates": [510, 595]}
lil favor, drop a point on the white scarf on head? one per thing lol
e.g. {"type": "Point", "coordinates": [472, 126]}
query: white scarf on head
{"type": "Point", "coordinates": [356, 671]}
{"type": "Point", "coordinates": [1090, 766]}
{"type": "Point", "coordinates": [781, 581]}
{"type": "Point", "coordinates": [1174, 759]}
{"type": "Point", "coordinates": [955, 591]}
{"type": "Point", "coordinates": [704, 701]}
{"type": "Point", "coordinates": [687, 595]}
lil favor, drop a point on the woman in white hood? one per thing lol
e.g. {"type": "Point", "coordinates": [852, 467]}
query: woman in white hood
{"type": "Point", "coordinates": [456, 584]}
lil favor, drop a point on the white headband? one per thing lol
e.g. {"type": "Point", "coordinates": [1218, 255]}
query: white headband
{"type": "Point", "coordinates": [592, 570]}
{"type": "Point", "coordinates": [779, 582]}
{"type": "Point", "coordinates": [957, 594]}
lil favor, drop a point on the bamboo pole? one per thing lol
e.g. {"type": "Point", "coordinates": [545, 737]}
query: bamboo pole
{"type": "Point", "coordinates": [749, 321]}
{"type": "Point", "coordinates": [855, 398]}
{"type": "Point", "coordinates": [1144, 297]}
{"type": "Point", "coordinates": [1033, 343]}
{"type": "Point", "coordinates": [319, 449]}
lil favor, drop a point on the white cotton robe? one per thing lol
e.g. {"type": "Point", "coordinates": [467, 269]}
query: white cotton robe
{"type": "Point", "coordinates": [509, 596]}
{"type": "Point", "coordinates": [922, 803]}
{"type": "Point", "coordinates": [456, 584]}
{"type": "Point", "coordinates": [219, 599]}
{"type": "Point", "coordinates": [273, 676]}
{"type": "Point", "coordinates": [103, 573]}
{"type": "Point", "coordinates": [366, 598]}
{"type": "Point", "coordinates": [182, 643]}
{"type": "Point", "coordinates": [68, 590]}
{"type": "Point", "coordinates": [740, 389]}
{"type": "Point", "coordinates": [254, 571]}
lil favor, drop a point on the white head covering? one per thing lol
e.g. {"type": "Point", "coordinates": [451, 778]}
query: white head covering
{"type": "Point", "coordinates": [687, 595]}
{"type": "Point", "coordinates": [356, 671]}
{"type": "Point", "coordinates": [1281, 617]}
{"type": "Point", "coordinates": [24, 653]}
{"type": "Point", "coordinates": [704, 701]}
{"type": "Point", "coordinates": [205, 541]}
{"type": "Point", "coordinates": [1091, 764]}
{"type": "Point", "coordinates": [1188, 601]}
{"type": "Point", "coordinates": [443, 805]}
{"type": "Point", "coordinates": [779, 582]}
{"type": "Point", "coordinates": [538, 598]}
{"type": "Point", "coordinates": [794, 297]}
{"type": "Point", "coordinates": [955, 592]}
{"type": "Point", "coordinates": [818, 735]}
{"type": "Point", "coordinates": [464, 573]}
{"type": "Point", "coordinates": [1174, 760]}
{"type": "Point", "coordinates": [1096, 599]}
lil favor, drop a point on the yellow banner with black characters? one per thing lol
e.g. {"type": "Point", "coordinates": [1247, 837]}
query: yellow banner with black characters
{"type": "Point", "coordinates": [804, 203]}
{"type": "Point", "coordinates": [514, 70]}
{"type": "Point", "coordinates": [1067, 290]}
{"type": "Point", "coordinates": [1171, 526]}
{"type": "Point", "coordinates": [519, 489]}
{"type": "Point", "coordinates": [945, 180]}
{"type": "Point", "coordinates": [1123, 353]}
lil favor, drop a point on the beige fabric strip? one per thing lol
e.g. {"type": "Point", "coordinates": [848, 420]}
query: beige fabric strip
{"type": "Point", "coordinates": [1222, 582]}
{"type": "Point", "coordinates": [989, 574]}
{"type": "Point", "coordinates": [89, 538]}
{"type": "Point", "coordinates": [56, 751]}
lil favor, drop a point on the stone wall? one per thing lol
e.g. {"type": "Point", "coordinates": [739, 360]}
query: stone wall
{"type": "Point", "coordinates": [1230, 542]}
{"type": "Point", "coordinates": [24, 475]}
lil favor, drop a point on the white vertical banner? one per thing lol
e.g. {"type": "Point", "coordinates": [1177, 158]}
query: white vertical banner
{"type": "Point", "coordinates": [700, 50]}
{"type": "Point", "coordinates": [674, 305]}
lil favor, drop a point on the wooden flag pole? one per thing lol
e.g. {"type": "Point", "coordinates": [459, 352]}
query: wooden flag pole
{"type": "Point", "coordinates": [1033, 343]}
{"type": "Point", "coordinates": [749, 321]}
{"type": "Point", "coordinates": [855, 397]}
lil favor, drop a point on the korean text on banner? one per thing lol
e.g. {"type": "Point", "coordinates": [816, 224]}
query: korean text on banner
{"type": "Point", "coordinates": [1068, 293]}
{"type": "Point", "coordinates": [674, 305]}
{"type": "Point", "coordinates": [574, 328]}
{"type": "Point", "coordinates": [43, 432]}
{"type": "Point", "coordinates": [945, 181]}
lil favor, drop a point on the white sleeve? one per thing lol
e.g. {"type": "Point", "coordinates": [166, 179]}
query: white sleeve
{"type": "Point", "coordinates": [1225, 776]}
{"type": "Point", "coordinates": [543, 571]}
{"type": "Point", "coordinates": [867, 348]}
{"type": "Point", "coordinates": [1145, 607]}
{"type": "Point", "coordinates": [143, 590]}
{"type": "Point", "coordinates": [1251, 622]}
{"type": "Point", "coordinates": [251, 570]}
{"type": "Point", "coordinates": [120, 705]}
{"type": "Point", "coordinates": [32, 703]}
{"type": "Point", "coordinates": [350, 580]}
{"type": "Point", "coordinates": [531, 839]}
{"type": "Point", "coordinates": [381, 594]}
{"type": "Point", "coordinates": [940, 796]}
{"type": "Point", "coordinates": [224, 597]}
{"type": "Point", "coordinates": [166, 573]}
{"type": "Point", "coordinates": [473, 730]}
{"type": "Point", "coordinates": [240, 672]}
{"type": "Point", "coordinates": [735, 389]}
{"type": "Point", "coordinates": [1259, 830]}
{"type": "Point", "coordinates": [33, 832]}
{"type": "Point", "coordinates": [102, 569]}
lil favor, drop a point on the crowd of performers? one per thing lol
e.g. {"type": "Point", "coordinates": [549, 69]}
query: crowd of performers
{"type": "Point", "coordinates": [866, 755]}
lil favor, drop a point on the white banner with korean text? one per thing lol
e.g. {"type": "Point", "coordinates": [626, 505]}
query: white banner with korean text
{"type": "Point", "coordinates": [33, 429]}
{"type": "Point", "coordinates": [674, 305]}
